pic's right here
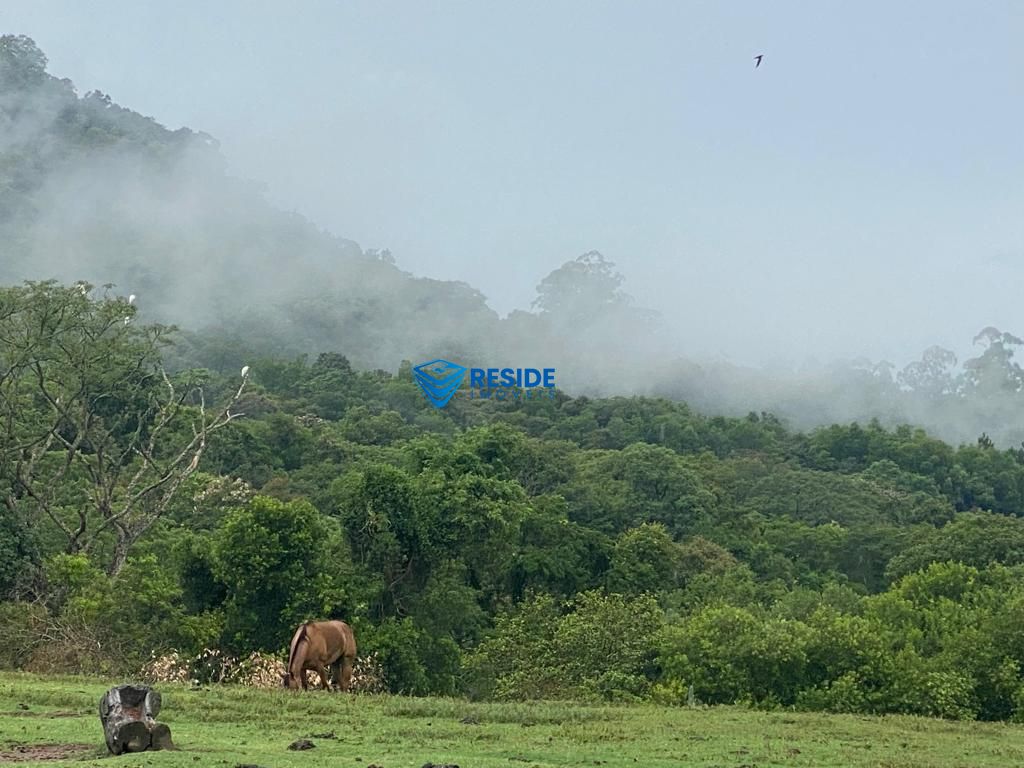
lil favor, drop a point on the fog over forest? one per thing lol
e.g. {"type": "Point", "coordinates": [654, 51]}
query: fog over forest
{"type": "Point", "coordinates": [771, 253]}
{"type": "Point", "coordinates": [92, 190]}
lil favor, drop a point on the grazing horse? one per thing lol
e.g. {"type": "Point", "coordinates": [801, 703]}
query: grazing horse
{"type": "Point", "coordinates": [317, 645]}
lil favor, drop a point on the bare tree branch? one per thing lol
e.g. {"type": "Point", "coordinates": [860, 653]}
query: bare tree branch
{"type": "Point", "coordinates": [90, 422]}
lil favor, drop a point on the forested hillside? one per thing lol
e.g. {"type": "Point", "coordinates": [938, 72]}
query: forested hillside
{"type": "Point", "coordinates": [90, 190]}
{"type": "Point", "coordinates": [567, 547]}
{"type": "Point", "coordinates": [273, 461]}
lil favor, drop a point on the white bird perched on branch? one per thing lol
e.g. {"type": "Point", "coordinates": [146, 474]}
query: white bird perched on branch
{"type": "Point", "coordinates": [245, 371]}
{"type": "Point", "coordinates": [131, 299]}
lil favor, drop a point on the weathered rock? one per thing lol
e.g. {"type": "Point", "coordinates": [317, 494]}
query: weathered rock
{"type": "Point", "coordinates": [128, 714]}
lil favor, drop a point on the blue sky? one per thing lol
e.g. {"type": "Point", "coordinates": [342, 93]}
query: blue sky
{"type": "Point", "coordinates": [861, 193]}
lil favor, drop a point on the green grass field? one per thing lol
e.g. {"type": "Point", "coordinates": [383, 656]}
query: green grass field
{"type": "Point", "coordinates": [222, 726]}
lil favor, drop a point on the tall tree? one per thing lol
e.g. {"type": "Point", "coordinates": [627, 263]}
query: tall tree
{"type": "Point", "coordinates": [994, 371]}
{"type": "Point", "coordinates": [95, 436]}
{"type": "Point", "coordinates": [932, 375]}
{"type": "Point", "coordinates": [581, 289]}
{"type": "Point", "coordinates": [21, 62]}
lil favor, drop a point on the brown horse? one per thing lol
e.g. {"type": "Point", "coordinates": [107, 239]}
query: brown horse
{"type": "Point", "coordinates": [317, 645]}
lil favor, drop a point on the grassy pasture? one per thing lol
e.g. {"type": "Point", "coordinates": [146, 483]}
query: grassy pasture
{"type": "Point", "coordinates": [56, 718]}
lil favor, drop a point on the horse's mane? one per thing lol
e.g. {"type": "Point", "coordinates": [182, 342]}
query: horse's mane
{"type": "Point", "coordinates": [296, 638]}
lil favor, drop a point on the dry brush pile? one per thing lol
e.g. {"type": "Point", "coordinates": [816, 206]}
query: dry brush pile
{"type": "Point", "coordinates": [257, 670]}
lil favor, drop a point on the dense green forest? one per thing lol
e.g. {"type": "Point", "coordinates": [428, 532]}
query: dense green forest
{"type": "Point", "coordinates": [157, 498]}
{"type": "Point", "coordinates": [568, 547]}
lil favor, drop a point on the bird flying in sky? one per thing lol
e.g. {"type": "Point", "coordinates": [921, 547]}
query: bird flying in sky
{"type": "Point", "coordinates": [759, 57]}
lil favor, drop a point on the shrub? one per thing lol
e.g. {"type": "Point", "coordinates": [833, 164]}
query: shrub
{"type": "Point", "coordinates": [599, 649]}
{"type": "Point", "coordinates": [411, 660]}
{"type": "Point", "coordinates": [731, 654]}
{"type": "Point", "coordinates": [949, 694]}
{"type": "Point", "coordinates": [846, 694]}
{"type": "Point", "coordinates": [21, 627]}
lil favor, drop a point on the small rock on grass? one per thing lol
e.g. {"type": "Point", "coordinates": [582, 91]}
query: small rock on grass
{"type": "Point", "coordinates": [301, 744]}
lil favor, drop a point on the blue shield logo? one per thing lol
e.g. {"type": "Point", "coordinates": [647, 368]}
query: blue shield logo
{"type": "Point", "coordinates": [439, 379]}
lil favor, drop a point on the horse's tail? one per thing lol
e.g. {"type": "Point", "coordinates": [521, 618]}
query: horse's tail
{"type": "Point", "coordinates": [300, 633]}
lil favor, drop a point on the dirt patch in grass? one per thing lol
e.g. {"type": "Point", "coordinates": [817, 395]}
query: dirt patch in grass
{"type": "Point", "coordinates": [27, 752]}
{"type": "Point", "coordinates": [58, 713]}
